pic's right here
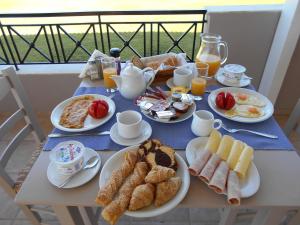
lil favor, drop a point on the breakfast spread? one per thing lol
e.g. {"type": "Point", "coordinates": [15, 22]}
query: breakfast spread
{"type": "Point", "coordinates": [75, 112]}
{"type": "Point", "coordinates": [146, 177]}
{"type": "Point", "coordinates": [222, 163]}
{"type": "Point", "coordinates": [240, 104]}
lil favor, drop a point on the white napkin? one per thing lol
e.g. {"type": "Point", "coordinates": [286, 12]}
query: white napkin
{"type": "Point", "coordinates": [90, 70]}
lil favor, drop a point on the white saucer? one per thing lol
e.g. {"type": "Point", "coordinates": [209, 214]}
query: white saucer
{"type": "Point", "coordinates": [78, 179]}
{"type": "Point", "coordinates": [222, 79]}
{"type": "Point", "coordinates": [170, 83]}
{"type": "Point", "coordinates": [146, 134]}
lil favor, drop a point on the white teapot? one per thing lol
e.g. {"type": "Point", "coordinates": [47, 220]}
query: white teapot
{"type": "Point", "coordinates": [133, 81]}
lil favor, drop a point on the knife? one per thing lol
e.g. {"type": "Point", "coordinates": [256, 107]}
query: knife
{"type": "Point", "coordinates": [56, 135]}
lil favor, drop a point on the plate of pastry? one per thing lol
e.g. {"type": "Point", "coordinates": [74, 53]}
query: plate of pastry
{"type": "Point", "coordinates": [247, 106]}
{"type": "Point", "coordinates": [225, 165]}
{"type": "Point", "coordinates": [142, 181]}
{"type": "Point", "coordinates": [163, 107]}
{"type": "Point", "coordinates": [75, 115]}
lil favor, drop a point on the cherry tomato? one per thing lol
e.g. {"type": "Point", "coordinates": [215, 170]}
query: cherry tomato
{"type": "Point", "coordinates": [220, 100]}
{"type": "Point", "coordinates": [225, 100]}
{"type": "Point", "coordinates": [230, 102]}
{"type": "Point", "coordinates": [98, 109]}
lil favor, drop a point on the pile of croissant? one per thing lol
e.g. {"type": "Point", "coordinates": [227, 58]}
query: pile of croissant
{"type": "Point", "coordinates": [136, 185]}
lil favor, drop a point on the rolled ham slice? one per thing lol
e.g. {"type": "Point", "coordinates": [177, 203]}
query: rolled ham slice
{"type": "Point", "coordinates": [209, 169]}
{"type": "Point", "coordinates": [233, 189]}
{"type": "Point", "coordinates": [218, 180]}
{"type": "Point", "coordinates": [200, 162]}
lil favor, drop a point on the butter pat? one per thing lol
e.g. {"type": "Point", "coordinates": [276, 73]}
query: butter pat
{"type": "Point", "coordinates": [165, 114]}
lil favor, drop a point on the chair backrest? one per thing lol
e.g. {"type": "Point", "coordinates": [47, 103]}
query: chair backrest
{"type": "Point", "coordinates": [10, 82]}
{"type": "Point", "coordinates": [293, 120]}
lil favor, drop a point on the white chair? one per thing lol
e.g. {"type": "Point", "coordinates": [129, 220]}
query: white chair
{"type": "Point", "coordinates": [293, 120]}
{"type": "Point", "coordinates": [9, 82]}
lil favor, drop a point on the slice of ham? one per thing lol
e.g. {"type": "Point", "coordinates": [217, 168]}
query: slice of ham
{"type": "Point", "coordinates": [218, 180]}
{"type": "Point", "coordinates": [209, 168]}
{"type": "Point", "coordinates": [199, 163]}
{"type": "Point", "coordinates": [233, 189]}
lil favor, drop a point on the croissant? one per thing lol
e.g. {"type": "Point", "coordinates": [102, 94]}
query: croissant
{"type": "Point", "coordinates": [117, 207]}
{"type": "Point", "coordinates": [142, 196]}
{"type": "Point", "coordinates": [159, 174]}
{"type": "Point", "coordinates": [166, 190]}
{"type": "Point", "coordinates": [106, 194]}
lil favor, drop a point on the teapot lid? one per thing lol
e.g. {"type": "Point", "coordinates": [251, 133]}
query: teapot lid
{"type": "Point", "coordinates": [130, 70]}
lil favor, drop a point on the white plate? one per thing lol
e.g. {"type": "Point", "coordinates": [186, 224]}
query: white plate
{"type": "Point", "coordinates": [268, 108]}
{"type": "Point", "coordinates": [170, 83]}
{"type": "Point", "coordinates": [146, 134]}
{"type": "Point", "coordinates": [249, 185]}
{"type": "Point", "coordinates": [222, 79]}
{"type": "Point", "coordinates": [89, 123]}
{"type": "Point", "coordinates": [80, 178]}
{"type": "Point", "coordinates": [150, 211]}
{"type": "Point", "coordinates": [183, 117]}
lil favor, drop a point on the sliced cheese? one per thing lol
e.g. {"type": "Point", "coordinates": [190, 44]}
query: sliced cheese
{"type": "Point", "coordinates": [244, 161]}
{"type": "Point", "coordinates": [235, 153]}
{"type": "Point", "coordinates": [213, 141]}
{"type": "Point", "coordinates": [225, 146]}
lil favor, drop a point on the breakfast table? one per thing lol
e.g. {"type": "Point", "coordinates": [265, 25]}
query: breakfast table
{"type": "Point", "coordinates": [279, 189]}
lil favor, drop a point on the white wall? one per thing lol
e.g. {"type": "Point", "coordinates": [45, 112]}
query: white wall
{"type": "Point", "coordinates": [249, 33]}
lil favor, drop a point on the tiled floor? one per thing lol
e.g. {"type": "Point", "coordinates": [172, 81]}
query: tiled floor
{"type": "Point", "coordinates": [10, 214]}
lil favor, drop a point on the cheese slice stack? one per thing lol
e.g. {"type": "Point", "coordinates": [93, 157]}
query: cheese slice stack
{"type": "Point", "coordinates": [213, 141]}
{"type": "Point", "coordinates": [235, 153]}
{"type": "Point", "coordinates": [225, 147]}
{"type": "Point", "coordinates": [244, 161]}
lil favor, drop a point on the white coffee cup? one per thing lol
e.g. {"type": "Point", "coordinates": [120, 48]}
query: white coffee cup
{"type": "Point", "coordinates": [129, 124]}
{"type": "Point", "coordinates": [183, 77]}
{"type": "Point", "coordinates": [203, 123]}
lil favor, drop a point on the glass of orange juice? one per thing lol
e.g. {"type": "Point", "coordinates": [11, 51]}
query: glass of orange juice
{"type": "Point", "coordinates": [202, 69]}
{"type": "Point", "coordinates": [198, 86]}
{"type": "Point", "coordinates": [109, 68]}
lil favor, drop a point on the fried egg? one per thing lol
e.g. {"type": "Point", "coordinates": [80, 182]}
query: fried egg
{"type": "Point", "coordinates": [249, 111]}
{"type": "Point", "coordinates": [246, 99]}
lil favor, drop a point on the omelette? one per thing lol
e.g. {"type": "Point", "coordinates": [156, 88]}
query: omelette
{"type": "Point", "coordinates": [75, 112]}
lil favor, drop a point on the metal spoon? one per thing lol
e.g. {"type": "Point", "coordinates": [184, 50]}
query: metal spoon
{"type": "Point", "coordinates": [90, 163]}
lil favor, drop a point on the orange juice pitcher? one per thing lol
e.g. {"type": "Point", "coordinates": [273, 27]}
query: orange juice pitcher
{"type": "Point", "coordinates": [210, 53]}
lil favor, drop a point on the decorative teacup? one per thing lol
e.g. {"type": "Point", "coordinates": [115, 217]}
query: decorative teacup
{"type": "Point", "coordinates": [183, 77]}
{"type": "Point", "coordinates": [129, 124]}
{"type": "Point", "coordinates": [234, 72]}
{"type": "Point", "coordinates": [203, 123]}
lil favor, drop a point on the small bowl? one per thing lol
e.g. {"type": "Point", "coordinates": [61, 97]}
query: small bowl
{"type": "Point", "coordinates": [234, 72]}
{"type": "Point", "coordinates": [68, 157]}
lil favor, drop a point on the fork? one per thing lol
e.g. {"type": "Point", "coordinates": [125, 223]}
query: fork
{"type": "Point", "coordinates": [249, 131]}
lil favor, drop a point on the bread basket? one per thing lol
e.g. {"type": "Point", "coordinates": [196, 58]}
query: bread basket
{"type": "Point", "coordinates": [163, 64]}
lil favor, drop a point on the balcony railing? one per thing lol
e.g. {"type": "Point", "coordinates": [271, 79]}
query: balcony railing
{"type": "Point", "coordinates": [52, 43]}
